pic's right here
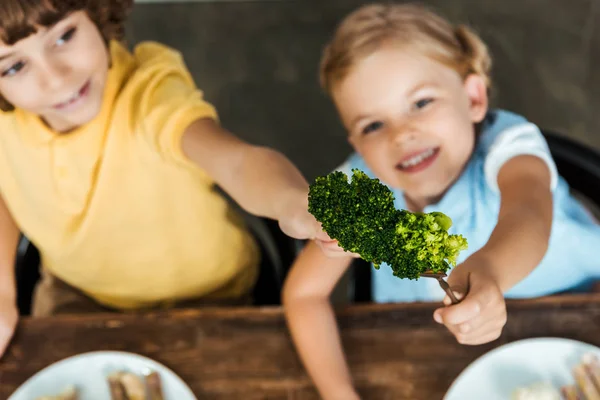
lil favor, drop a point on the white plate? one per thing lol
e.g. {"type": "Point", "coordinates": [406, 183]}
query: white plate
{"type": "Point", "coordinates": [88, 372]}
{"type": "Point", "coordinates": [497, 374]}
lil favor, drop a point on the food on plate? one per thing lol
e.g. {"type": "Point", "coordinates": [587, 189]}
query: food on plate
{"type": "Point", "coordinates": [587, 379]}
{"type": "Point", "coordinates": [154, 386]}
{"type": "Point", "coordinates": [117, 391]}
{"type": "Point", "coordinates": [592, 366]}
{"type": "Point", "coordinates": [537, 391]}
{"type": "Point", "coordinates": [586, 385]}
{"type": "Point", "coordinates": [133, 386]}
{"type": "Point", "coordinates": [123, 385]}
{"type": "Point", "coordinates": [129, 386]}
{"type": "Point", "coordinates": [70, 393]}
{"type": "Point", "coordinates": [570, 392]}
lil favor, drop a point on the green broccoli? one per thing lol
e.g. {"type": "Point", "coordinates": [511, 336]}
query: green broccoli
{"type": "Point", "coordinates": [362, 217]}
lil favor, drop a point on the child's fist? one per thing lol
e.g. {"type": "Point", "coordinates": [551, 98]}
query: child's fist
{"type": "Point", "coordinates": [481, 315]}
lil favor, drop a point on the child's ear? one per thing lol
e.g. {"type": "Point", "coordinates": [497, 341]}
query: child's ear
{"type": "Point", "coordinates": [478, 97]}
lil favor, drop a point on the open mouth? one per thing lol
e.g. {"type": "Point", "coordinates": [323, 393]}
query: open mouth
{"type": "Point", "coordinates": [418, 162]}
{"type": "Point", "coordinates": [75, 98]}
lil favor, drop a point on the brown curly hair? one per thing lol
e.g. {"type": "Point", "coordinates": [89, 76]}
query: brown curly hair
{"type": "Point", "coordinates": [21, 18]}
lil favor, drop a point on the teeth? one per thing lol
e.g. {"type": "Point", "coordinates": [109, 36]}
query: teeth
{"type": "Point", "coordinates": [71, 100]}
{"type": "Point", "coordinates": [417, 159]}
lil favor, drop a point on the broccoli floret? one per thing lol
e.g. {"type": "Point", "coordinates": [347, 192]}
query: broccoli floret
{"type": "Point", "coordinates": [361, 216]}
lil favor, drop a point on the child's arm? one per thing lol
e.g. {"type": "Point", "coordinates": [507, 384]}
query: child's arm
{"type": "Point", "coordinates": [9, 239]}
{"type": "Point", "coordinates": [517, 245]}
{"type": "Point", "coordinates": [171, 115]}
{"type": "Point", "coordinates": [261, 180]}
{"type": "Point", "coordinates": [312, 321]}
{"type": "Point", "coordinates": [520, 239]}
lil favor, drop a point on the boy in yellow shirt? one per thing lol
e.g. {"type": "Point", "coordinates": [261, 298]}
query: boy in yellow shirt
{"type": "Point", "coordinates": [108, 164]}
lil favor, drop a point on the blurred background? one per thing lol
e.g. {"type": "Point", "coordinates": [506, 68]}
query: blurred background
{"type": "Point", "coordinates": [257, 61]}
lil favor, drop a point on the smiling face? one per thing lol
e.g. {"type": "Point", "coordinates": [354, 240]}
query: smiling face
{"type": "Point", "coordinates": [412, 119]}
{"type": "Point", "coordinates": [58, 73]}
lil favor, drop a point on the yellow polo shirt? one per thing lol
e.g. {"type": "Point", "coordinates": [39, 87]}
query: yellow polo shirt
{"type": "Point", "coordinates": [115, 207]}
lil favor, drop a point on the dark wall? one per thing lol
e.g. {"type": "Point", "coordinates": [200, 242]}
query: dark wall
{"type": "Point", "coordinates": [257, 62]}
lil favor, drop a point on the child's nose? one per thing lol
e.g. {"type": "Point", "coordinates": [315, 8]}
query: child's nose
{"type": "Point", "coordinates": [52, 76]}
{"type": "Point", "coordinates": [404, 134]}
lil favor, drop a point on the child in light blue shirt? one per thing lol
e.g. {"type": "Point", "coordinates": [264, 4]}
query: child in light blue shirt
{"type": "Point", "coordinates": [412, 91]}
{"type": "Point", "coordinates": [473, 202]}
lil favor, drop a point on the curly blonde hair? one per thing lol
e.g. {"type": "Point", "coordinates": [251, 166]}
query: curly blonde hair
{"type": "Point", "coordinates": [370, 27]}
{"type": "Point", "coordinates": [21, 18]}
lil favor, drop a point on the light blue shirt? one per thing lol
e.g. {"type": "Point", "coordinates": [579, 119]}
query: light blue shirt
{"type": "Point", "coordinates": [572, 261]}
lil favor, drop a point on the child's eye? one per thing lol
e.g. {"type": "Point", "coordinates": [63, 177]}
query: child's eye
{"type": "Point", "coordinates": [373, 126]}
{"type": "Point", "coordinates": [68, 35]}
{"type": "Point", "coordinates": [14, 69]}
{"type": "Point", "coordinates": [423, 103]}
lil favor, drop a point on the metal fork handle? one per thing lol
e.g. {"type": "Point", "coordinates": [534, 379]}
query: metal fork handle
{"type": "Point", "coordinates": [443, 284]}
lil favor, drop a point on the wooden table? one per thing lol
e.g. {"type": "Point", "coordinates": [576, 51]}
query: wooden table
{"type": "Point", "coordinates": [395, 351]}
